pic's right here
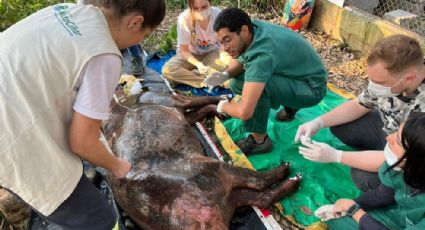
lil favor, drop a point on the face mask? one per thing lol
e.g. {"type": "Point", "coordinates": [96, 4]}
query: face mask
{"type": "Point", "coordinates": [390, 157]}
{"type": "Point", "coordinates": [200, 16]}
{"type": "Point", "coordinates": [380, 90]}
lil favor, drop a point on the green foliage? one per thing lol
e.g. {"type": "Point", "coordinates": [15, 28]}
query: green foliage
{"type": "Point", "coordinates": [259, 5]}
{"type": "Point", "coordinates": [169, 40]}
{"type": "Point", "coordinates": [162, 42]}
{"type": "Point", "coordinates": [176, 4]}
{"type": "Point", "coordinates": [12, 11]}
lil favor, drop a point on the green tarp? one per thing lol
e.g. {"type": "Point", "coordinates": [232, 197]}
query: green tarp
{"type": "Point", "coordinates": [321, 183]}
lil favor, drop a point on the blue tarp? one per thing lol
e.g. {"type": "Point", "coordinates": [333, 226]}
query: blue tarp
{"type": "Point", "coordinates": [156, 62]}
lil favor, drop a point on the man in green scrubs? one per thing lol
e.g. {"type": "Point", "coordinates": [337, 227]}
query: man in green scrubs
{"type": "Point", "coordinates": [272, 66]}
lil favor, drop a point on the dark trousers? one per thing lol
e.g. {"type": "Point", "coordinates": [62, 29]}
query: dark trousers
{"type": "Point", "coordinates": [290, 93]}
{"type": "Point", "coordinates": [85, 209]}
{"type": "Point", "coordinates": [364, 133]}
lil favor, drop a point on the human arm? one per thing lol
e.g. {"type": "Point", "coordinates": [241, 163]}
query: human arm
{"type": "Point", "coordinates": [97, 82]}
{"type": "Point", "coordinates": [260, 69]}
{"type": "Point", "coordinates": [322, 152]}
{"type": "Point", "coordinates": [84, 141]}
{"type": "Point", "coordinates": [347, 112]}
{"type": "Point", "coordinates": [235, 68]}
{"type": "Point", "coordinates": [368, 160]}
{"type": "Point", "coordinates": [360, 216]}
{"type": "Point", "coordinates": [245, 108]}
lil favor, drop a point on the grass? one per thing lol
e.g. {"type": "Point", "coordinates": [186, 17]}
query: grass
{"type": "Point", "coordinates": [11, 11]}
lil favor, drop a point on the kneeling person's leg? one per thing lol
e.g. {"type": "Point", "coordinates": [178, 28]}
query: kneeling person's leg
{"type": "Point", "coordinates": [258, 141]}
{"type": "Point", "coordinates": [364, 133]}
{"type": "Point", "coordinates": [364, 180]}
{"type": "Point", "coordinates": [293, 95]}
{"type": "Point", "coordinates": [178, 70]}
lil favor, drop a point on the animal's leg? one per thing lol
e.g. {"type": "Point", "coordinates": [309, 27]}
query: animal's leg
{"type": "Point", "coordinates": [185, 102]}
{"type": "Point", "coordinates": [246, 178]}
{"type": "Point", "coordinates": [263, 199]}
{"type": "Point", "coordinates": [194, 116]}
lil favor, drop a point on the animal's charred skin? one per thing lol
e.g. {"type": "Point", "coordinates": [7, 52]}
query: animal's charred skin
{"type": "Point", "coordinates": [172, 185]}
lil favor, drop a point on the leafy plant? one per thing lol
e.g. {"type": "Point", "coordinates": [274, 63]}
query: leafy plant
{"type": "Point", "coordinates": [11, 11]}
{"type": "Point", "coordinates": [169, 40]}
{"type": "Point", "coordinates": [176, 4]}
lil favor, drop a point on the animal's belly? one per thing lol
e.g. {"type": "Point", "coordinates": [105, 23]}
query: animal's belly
{"type": "Point", "coordinates": [166, 200]}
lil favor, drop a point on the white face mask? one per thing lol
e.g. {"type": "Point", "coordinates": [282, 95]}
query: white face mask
{"type": "Point", "coordinates": [382, 91]}
{"type": "Point", "coordinates": [200, 16]}
{"type": "Point", "coordinates": [390, 157]}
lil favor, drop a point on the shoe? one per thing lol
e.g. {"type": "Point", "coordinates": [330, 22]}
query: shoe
{"type": "Point", "coordinates": [250, 147]}
{"type": "Point", "coordinates": [287, 114]}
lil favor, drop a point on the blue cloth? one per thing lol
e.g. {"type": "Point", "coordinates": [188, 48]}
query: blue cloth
{"type": "Point", "coordinates": [135, 50]}
{"type": "Point", "coordinates": [217, 91]}
{"type": "Point", "coordinates": [156, 62]}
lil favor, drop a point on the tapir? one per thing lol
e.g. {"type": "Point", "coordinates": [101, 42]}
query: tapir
{"type": "Point", "coordinates": [172, 184]}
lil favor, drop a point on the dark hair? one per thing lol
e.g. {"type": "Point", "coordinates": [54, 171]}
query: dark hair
{"type": "Point", "coordinates": [233, 19]}
{"type": "Point", "coordinates": [153, 11]}
{"type": "Point", "coordinates": [397, 52]}
{"type": "Point", "coordinates": [413, 141]}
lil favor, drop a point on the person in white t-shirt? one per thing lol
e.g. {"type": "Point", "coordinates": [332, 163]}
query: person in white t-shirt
{"type": "Point", "coordinates": [198, 52]}
{"type": "Point", "coordinates": [58, 71]}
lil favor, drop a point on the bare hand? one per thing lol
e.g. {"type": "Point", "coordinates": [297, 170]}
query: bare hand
{"type": "Point", "coordinates": [342, 206]}
{"type": "Point", "coordinates": [121, 169]}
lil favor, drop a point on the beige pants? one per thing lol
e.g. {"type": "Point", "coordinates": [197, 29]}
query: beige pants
{"type": "Point", "coordinates": [179, 70]}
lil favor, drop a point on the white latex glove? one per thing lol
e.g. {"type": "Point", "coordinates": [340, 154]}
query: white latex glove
{"type": "Point", "coordinates": [320, 152]}
{"type": "Point", "coordinates": [220, 105]}
{"type": "Point", "coordinates": [136, 88]}
{"type": "Point", "coordinates": [216, 78]}
{"type": "Point", "coordinates": [309, 129]}
{"type": "Point", "coordinates": [203, 69]}
{"type": "Point", "coordinates": [326, 212]}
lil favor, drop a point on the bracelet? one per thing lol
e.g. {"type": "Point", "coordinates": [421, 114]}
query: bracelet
{"type": "Point", "coordinates": [353, 209]}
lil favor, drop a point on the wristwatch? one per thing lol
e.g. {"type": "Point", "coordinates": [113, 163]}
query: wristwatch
{"type": "Point", "coordinates": [353, 209]}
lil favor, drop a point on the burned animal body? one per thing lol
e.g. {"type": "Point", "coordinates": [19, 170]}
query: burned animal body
{"type": "Point", "coordinates": [172, 185]}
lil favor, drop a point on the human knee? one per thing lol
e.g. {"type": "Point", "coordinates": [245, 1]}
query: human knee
{"type": "Point", "coordinates": [167, 69]}
{"type": "Point", "coordinates": [340, 131]}
{"type": "Point", "coordinates": [364, 180]}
